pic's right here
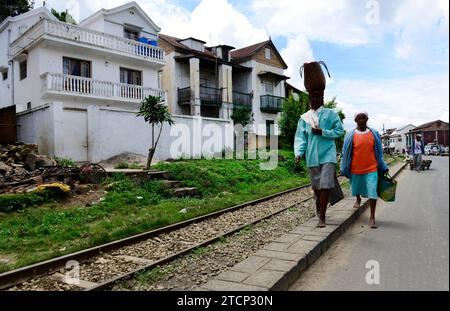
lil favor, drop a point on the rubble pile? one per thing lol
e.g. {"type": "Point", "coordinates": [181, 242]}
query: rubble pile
{"type": "Point", "coordinates": [20, 164]}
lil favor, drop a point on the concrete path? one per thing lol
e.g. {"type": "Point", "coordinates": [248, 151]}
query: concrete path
{"type": "Point", "coordinates": [411, 244]}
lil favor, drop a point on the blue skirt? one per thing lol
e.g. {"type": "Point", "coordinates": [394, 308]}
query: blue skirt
{"type": "Point", "coordinates": [364, 185]}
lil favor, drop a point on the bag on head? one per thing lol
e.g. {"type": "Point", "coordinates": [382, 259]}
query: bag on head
{"type": "Point", "coordinates": [314, 78]}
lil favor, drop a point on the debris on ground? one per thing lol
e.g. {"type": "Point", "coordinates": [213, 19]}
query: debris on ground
{"type": "Point", "coordinates": [23, 169]}
{"type": "Point", "coordinates": [135, 158]}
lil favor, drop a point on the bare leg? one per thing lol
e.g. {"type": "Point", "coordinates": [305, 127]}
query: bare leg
{"type": "Point", "coordinates": [323, 207]}
{"type": "Point", "coordinates": [317, 193]}
{"type": "Point", "coordinates": [358, 202]}
{"type": "Point", "coordinates": [373, 205]}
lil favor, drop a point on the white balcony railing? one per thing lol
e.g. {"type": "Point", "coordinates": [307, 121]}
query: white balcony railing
{"type": "Point", "coordinates": [67, 84]}
{"type": "Point", "coordinates": [86, 36]}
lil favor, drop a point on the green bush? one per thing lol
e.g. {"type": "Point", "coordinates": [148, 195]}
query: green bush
{"type": "Point", "coordinates": [121, 166]}
{"type": "Point", "coordinates": [65, 162]}
{"type": "Point", "coordinates": [14, 202]}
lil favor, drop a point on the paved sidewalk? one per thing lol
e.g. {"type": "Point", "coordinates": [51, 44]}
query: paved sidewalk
{"type": "Point", "coordinates": [280, 263]}
{"type": "Point", "coordinates": [410, 247]}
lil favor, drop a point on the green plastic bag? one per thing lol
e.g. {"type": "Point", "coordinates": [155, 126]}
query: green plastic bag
{"type": "Point", "coordinates": [386, 188]}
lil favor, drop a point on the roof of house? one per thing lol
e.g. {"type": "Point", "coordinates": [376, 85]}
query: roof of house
{"type": "Point", "coordinates": [433, 125]}
{"type": "Point", "coordinates": [246, 53]}
{"type": "Point", "coordinates": [403, 127]}
{"type": "Point", "coordinates": [176, 43]}
{"type": "Point", "coordinates": [288, 85]}
{"type": "Point", "coordinates": [25, 15]}
{"type": "Point", "coordinates": [125, 6]}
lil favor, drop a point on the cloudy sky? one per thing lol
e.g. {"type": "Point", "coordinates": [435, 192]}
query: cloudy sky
{"type": "Point", "coordinates": [388, 57]}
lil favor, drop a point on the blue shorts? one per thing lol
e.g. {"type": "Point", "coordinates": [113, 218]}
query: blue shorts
{"type": "Point", "coordinates": [364, 185]}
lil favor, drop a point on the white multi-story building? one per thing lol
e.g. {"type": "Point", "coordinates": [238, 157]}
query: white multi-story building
{"type": "Point", "coordinates": [77, 88]}
{"type": "Point", "coordinates": [211, 81]}
{"type": "Point", "coordinates": [265, 81]}
{"type": "Point", "coordinates": [397, 140]}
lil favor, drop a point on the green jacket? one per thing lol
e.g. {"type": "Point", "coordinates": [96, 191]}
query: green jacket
{"type": "Point", "coordinates": [319, 149]}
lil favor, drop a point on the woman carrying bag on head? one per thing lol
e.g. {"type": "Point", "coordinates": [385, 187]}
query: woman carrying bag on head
{"type": "Point", "coordinates": [315, 138]}
{"type": "Point", "coordinates": [363, 162]}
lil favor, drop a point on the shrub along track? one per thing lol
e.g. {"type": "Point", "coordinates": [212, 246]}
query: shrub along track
{"type": "Point", "coordinates": [104, 265]}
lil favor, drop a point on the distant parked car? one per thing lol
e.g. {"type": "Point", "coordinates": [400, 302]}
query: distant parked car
{"type": "Point", "coordinates": [435, 150]}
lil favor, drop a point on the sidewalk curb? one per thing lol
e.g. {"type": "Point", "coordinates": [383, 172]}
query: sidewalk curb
{"type": "Point", "coordinates": [279, 264]}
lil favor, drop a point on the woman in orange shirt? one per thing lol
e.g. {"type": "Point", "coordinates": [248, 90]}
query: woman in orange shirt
{"type": "Point", "coordinates": [362, 161]}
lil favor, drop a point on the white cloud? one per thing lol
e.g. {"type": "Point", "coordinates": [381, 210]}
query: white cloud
{"type": "Point", "coordinates": [395, 102]}
{"type": "Point", "coordinates": [421, 28]}
{"type": "Point", "coordinates": [297, 51]}
{"type": "Point", "coordinates": [338, 21]}
{"type": "Point", "coordinates": [211, 19]}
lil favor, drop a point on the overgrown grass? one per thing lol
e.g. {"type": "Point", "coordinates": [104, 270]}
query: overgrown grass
{"type": "Point", "coordinates": [35, 234]}
{"type": "Point", "coordinates": [126, 165]}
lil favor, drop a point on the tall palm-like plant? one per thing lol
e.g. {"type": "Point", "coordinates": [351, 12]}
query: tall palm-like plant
{"type": "Point", "coordinates": [156, 113]}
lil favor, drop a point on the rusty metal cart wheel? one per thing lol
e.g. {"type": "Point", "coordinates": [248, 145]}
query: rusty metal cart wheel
{"type": "Point", "coordinates": [93, 173]}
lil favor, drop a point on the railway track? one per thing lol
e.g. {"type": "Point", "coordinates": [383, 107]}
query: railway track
{"type": "Point", "coordinates": [102, 266]}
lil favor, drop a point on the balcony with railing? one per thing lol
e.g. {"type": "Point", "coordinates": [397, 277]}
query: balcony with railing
{"type": "Point", "coordinates": [67, 85]}
{"type": "Point", "coordinates": [271, 104]}
{"type": "Point", "coordinates": [242, 100]}
{"type": "Point", "coordinates": [72, 34]}
{"type": "Point", "coordinates": [184, 96]}
{"type": "Point", "coordinates": [209, 96]}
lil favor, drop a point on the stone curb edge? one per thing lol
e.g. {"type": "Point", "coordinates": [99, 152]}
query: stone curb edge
{"type": "Point", "coordinates": [292, 275]}
{"type": "Point", "coordinates": [281, 280]}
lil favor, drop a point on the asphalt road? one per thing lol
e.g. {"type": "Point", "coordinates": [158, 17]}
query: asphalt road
{"type": "Point", "coordinates": [411, 245]}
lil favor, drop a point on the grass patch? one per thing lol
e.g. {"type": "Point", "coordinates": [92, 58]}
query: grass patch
{"type": "Point", "coordinates": [154, 275]}
{"type": "Point", "coordinates": [200, 250]}
{"type": "Point", "coordinates": [35, 234]}
{"type": "Point", "coordinates": [126, 165]}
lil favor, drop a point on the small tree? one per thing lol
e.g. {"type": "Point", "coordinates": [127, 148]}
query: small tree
{"type": "Point", "coordinates": [332, 104]}
{"type": "Point", "coordinates": [242, 115]}
{"type": "Point", "coordinates": [14, 7]}
{"type": "Point", "coordinates": [64, 16]}
{"type": "Point", "coordinates": [292, 110]}
{"type": "Point", "coordinates": [155, 113]}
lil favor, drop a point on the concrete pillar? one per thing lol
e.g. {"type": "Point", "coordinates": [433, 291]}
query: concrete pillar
{"type": "Point", "coordinates": [56, 129]}
{"type": "Point", "coordinates": [226, 84]}
{"type": "Point", "coordinates": [194, 74]}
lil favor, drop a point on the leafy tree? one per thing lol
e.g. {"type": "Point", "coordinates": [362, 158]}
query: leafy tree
{"type": "Point", "coordinates": [14, 7]}
{"type": "Point", "coordinates": [332, 104]}
{"type": "Point", "coordinates": [292, 110]}
{"type": "Point", "coordinates": [242, 115]}
{"type": "Point", "coordinates": [64, 16]}
{"type": "Point", "coordinates": [156, 113]}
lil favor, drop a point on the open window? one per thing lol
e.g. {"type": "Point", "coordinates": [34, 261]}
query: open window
{"type": "Point", "coordinates": [76, 67]}
{"type": "Point", "coordinates": [131, 32]}
{"type": "Point", "coordinates": [79, 68]}
{"type": "Point", "coordinates": [129, 78]}
{"type": "Point", "coordinates": [23, 69]}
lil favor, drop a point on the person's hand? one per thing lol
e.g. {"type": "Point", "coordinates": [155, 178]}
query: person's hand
{"type": "Point", "coordinates": [297, 160]}
{"type": "Point", "coordinates": [316, 131]}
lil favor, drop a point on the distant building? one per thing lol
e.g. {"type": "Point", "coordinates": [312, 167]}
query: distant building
{"type": "Point", "coordinates": [387, 141]}
{"type": "Point", "coordinates": [399, 140]}
{"type": "Point", "coordinates": [435, 132]}
{"type": "Point", "coordinates": [291, 90]}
